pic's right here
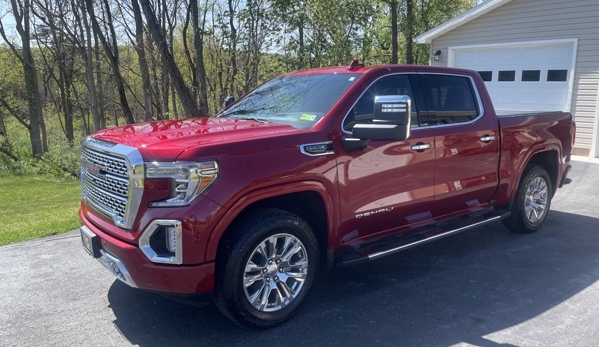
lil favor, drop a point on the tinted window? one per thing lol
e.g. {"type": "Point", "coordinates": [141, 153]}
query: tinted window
{"type": "Point", "coordinates": [363, 109]}
{"type": "Point", "coordinates": [531, 75]}
{"type": "Point", "coordinates": [449, 99]}
{"type": "Point", "coordinates": [506, 76]}
{"type": "Point", "coordinates": [557, 75]}
{"type": "Point", "coordinates": [298, 100]}
{"type": "Point", "coordinates": [487, 76]}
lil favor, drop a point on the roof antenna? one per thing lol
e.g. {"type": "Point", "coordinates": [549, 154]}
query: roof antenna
{"type": "Point", "coordinates": [355, 64]}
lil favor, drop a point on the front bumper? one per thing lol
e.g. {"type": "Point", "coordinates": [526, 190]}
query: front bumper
{"type": "Point", "coordinates": [128, 263]}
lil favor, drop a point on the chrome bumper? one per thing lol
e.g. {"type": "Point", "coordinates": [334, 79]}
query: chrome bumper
{"type": "Point", "coordinates": [116, 267]}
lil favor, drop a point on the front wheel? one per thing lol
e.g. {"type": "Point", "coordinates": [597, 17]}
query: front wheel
{"type": "Point", "coordinates": [532, 201]}
{"type": "Point", "coordinates": [266, 268]}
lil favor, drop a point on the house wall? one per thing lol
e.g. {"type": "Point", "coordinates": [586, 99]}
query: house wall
{"type": "Point", "coordinates": [534, 20]}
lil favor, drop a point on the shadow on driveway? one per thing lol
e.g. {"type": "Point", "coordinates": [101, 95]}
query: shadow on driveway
{"type": "Point", "coordinates": [455, 290]}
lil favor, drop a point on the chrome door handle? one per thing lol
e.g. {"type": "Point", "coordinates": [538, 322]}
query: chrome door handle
{"type": "Point", "coordinates": [421, 147]}
{"type": "Point", "coordinates": [487, 138]}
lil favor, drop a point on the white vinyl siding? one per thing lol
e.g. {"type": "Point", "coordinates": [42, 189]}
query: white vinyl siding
{"type": "Point", "coordinates": [536, 20]}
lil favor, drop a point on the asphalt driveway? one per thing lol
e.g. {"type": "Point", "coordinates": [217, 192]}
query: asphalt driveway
{"type": "Point", "coordinates": [485, 287]}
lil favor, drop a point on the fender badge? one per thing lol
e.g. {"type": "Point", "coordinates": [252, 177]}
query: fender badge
{"type": "Point", "coordinates": [370, 213]}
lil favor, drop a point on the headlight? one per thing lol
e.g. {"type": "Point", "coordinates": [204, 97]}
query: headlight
{"type": "Point", "coordinates": [188, 180]}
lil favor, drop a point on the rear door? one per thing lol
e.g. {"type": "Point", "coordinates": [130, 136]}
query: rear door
{"type": "Point", "coordinates": [466, 143]}
{"type": "Point", "coordinates": [389, 184]}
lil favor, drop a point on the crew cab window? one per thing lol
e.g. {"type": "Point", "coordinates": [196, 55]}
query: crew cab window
{"type": "Point", "coordinates": [363, 110]}
{"type": "Point", "coordinates": [449, 99]}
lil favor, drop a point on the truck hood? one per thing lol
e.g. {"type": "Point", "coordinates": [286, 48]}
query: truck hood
{"type": "Point", "coordinates": [165, 140]}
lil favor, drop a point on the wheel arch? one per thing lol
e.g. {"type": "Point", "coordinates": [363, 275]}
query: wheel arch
{"type": "Point", "coordinates": [550, 162]}
{"type": "Point", "coordinates": [309, 200]}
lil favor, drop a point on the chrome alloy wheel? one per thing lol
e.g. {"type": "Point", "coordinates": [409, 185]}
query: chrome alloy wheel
{"type": "Point", "coordinates": [536, 199]}
{"type": "Point", "coordinates": [275, 272]}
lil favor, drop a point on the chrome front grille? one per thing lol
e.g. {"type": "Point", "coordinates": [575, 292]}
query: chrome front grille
{"type": "Point", "coordinates": [112, 165]}
{"type": "Point", "coordinates": [114, 185]}
{"type": "Point", "coordinates": [108, 203]}
{"type": "Point", "coordinates": [112, 180]}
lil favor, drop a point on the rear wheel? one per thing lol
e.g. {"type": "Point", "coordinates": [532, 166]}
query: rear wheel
{"type": "Point", "coordinates": [532, 201]}
{"type": "Point", "coordinates": [266, 268]}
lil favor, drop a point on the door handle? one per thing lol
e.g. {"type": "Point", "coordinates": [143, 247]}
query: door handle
{"type": "Point", "coordinates": [488, 138]}
{"type": "Point", "coordinates": [421, 147]}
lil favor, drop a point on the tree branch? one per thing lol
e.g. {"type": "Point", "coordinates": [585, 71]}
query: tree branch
{"type": "Point", "coordinates": [10, 155]}
{"type": "Point", "coordinates": [12, 47]}
{"type": "Point", "coordinates": [14, 113]}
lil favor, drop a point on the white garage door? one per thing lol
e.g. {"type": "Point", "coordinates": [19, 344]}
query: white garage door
{"type": "Point", "coordinates": [523, 77]}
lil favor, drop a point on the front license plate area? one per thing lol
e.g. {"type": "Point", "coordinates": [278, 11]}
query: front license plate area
{"type": "Point", "coordinates": [90, 242]}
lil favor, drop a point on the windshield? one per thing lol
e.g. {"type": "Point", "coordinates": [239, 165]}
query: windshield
{"type": "Point", "coordinates": [298, 100]}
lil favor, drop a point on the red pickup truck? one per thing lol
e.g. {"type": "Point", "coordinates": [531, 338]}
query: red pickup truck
{"type": "Point", "coordinates": [324, 167]}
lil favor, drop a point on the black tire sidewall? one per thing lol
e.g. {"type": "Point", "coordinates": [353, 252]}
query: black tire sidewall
{"type": "Point", "coordinates": [234, 297]}
{"type": "Point", "coordinates": [532, 173]}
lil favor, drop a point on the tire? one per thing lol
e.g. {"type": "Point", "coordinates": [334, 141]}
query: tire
{"type": "Point", "coordinates": [533, 201]}
{"type": "Point", "coordinates": [282, 274]}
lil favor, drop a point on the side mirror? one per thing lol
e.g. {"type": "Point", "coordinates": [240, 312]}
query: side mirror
{"type": "Point", "coordinates": [229, 100]}
{"type": "Point", "coordinates": [390, 122]}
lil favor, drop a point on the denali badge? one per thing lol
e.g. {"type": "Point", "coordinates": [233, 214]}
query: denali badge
{"type": "Point", "coordinates": [370, 213]}
{"type": "Point", "coordinates": [316, 149]}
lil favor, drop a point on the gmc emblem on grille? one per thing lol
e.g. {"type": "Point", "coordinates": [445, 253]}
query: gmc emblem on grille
{"type": "Point", "coordinates": [95, 169]}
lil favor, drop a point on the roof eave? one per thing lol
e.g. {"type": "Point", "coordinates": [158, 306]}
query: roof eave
{"type": "Point", "coordinates": [460, 20]}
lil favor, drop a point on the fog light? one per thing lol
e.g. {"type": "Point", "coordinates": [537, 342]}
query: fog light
{"type": "Point", "coordinates": [162, 241]}
{"type": "Point", "coordinates": [171, 239]}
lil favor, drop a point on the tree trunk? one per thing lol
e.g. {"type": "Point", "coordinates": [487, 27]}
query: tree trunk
{"type": "Point", "coordinates": [192, 66]}
{"type": "Point", "coordinates": [21, 12]}
{"type": "Point", "coordinates": [232, 47]}
{"type": "Point", "coordinates": [89, 73]}
{"type": "Point", "coordinates": [198, 44]}
{"type": "Point", "coordinates": [302, 49]}
{"type": "Point", "coordinates": [174, 101]}
{"type": "Point", "coordinates": [100, 88]}
{"type": "Point", "coordinates": [394, 59]}
{"type": "Point", "coordinates": [185, 95]}
{"type": "Point", "coordinates": [143, 63]}
{"type": "Point", "coordinates": [409, 32]}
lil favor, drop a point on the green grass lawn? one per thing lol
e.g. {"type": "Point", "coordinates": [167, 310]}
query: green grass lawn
{"type": "Point", "coordinates": [32, 207]}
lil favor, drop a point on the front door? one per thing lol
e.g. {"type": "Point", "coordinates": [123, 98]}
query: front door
{"type": "Point", "coordinates": [389, 184]}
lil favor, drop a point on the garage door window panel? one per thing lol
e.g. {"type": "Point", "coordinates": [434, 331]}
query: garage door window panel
{"type": "Point", "coordinates": [487, 76]}
{"type": "Point", "coordinates": [449, 99]}
{"type": "Point", "coordinates": [506, 76]}
{"type": "Point", "coordinates": [531, 75]}
{"type": "Point", "coordinates": [557, 75]}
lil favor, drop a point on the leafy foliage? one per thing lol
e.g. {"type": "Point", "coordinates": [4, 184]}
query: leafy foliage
{"type": "Point", "coordinates": [86, 54]}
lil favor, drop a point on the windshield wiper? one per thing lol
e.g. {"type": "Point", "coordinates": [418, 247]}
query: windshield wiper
{"type": "Point", "coordinates": [258, 119]}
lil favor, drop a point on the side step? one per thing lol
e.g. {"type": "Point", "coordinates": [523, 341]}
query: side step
{"type": "Point", "coordinates": [393, 244]}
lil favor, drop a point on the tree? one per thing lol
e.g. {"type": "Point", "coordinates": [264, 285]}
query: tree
{"type": "Point", "coordinates": [21, 11]}
{"type": "Point", "coordinates": [198, 45]}
{"type": "Point", "coordinates": [143, 62]}
{"type": "Point", "coordinates": [111, 50]}
{"type": "Point", "coordinates": [187, 100]}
